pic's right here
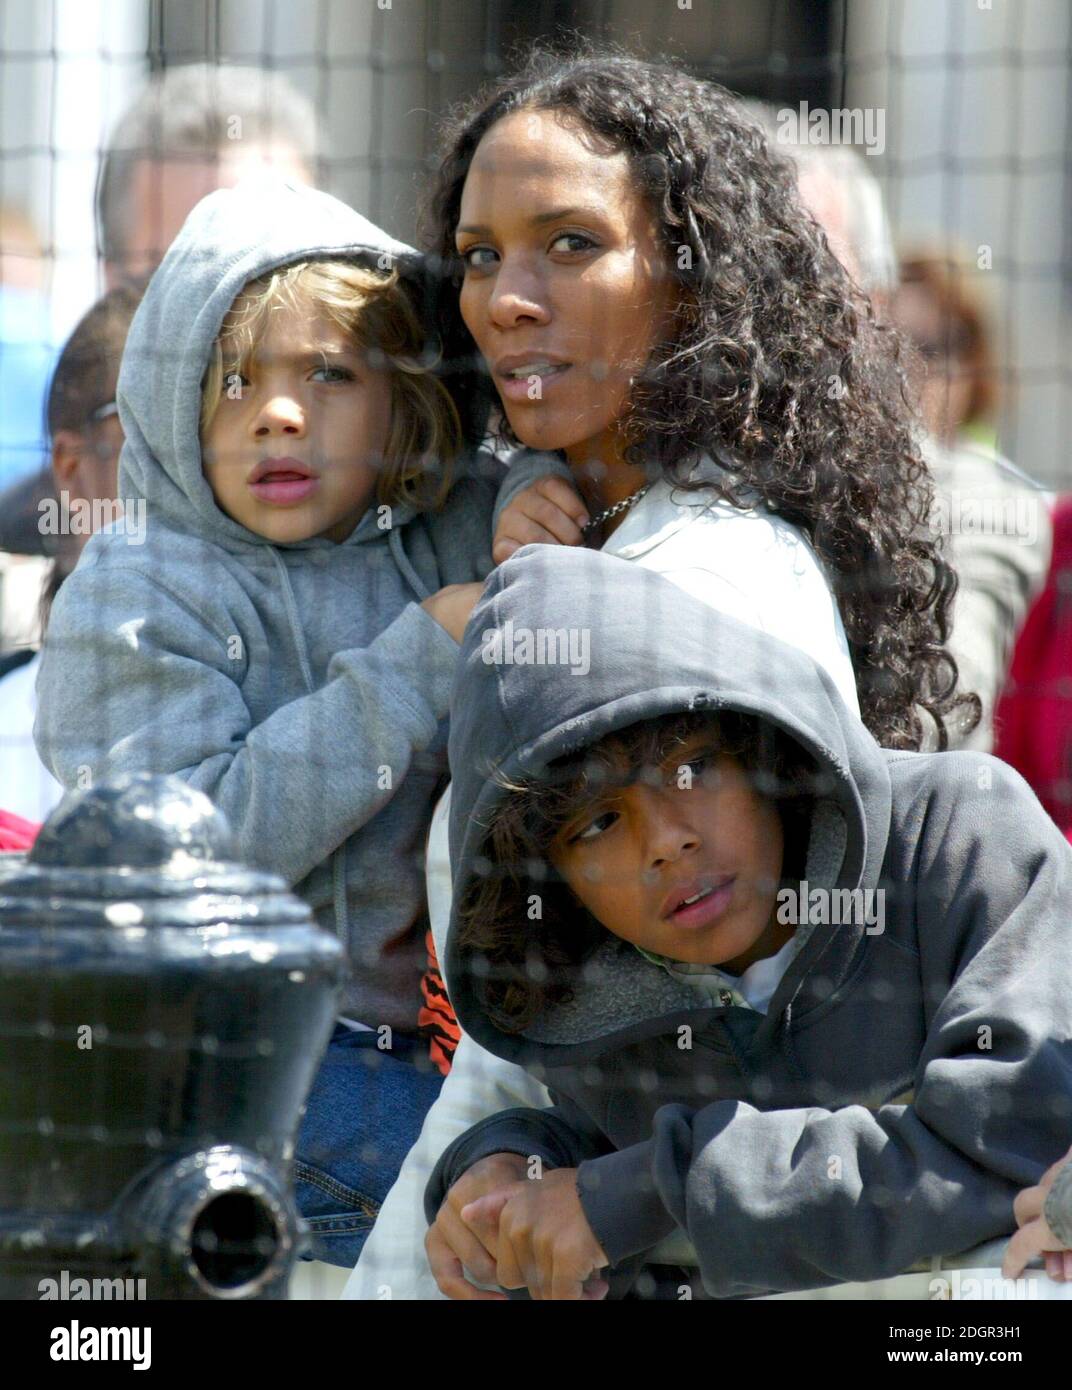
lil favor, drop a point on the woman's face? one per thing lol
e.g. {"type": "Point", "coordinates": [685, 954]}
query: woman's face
{"type": "Point", "coordinates": [943, 378]}
{"type": "Point", "coordinates": [566, 290]}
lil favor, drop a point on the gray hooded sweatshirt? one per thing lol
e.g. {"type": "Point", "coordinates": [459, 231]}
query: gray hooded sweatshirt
{"type": "Point", "coordinates": [913, 1069]}
{"type": "Point", "coordinates": [302, 686]}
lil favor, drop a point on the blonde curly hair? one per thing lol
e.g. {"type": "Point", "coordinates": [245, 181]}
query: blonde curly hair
{"type": "Point", "coordinates": [373, 308]}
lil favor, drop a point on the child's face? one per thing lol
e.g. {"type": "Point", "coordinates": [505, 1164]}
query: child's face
{"type": "Point", "coordinates": [590, 312]}
{"type": "Point", "coordinates": [295, 456]}
{"type": "Point", "coordinates": [637, 850]}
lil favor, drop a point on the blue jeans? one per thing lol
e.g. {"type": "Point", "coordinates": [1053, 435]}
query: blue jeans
{"type": "Point", "coordinates": [363, 1116]}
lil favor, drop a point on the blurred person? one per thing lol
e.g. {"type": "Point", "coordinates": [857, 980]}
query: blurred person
{"type": "Point", "coordinates": [86, 438]}
{"type": "Point", "coordinates": [20, 508]}
{"type": "Point", "coordinates": [1034, 715]}
{"type": "Point", "coordinates": [84, 428]}
{"type": "Point", "coordinates": [22, 264]}
{"type": "Point", "coordinates": [193, 129]}
{"type": "Point", "coordinates": [938, 305]}
{"type": "Point", "coordinates": [26, 351]}
{"type": "Point", "coordinates": [845, 198]}
{"type": "Point", "coordinates": [16, 833]}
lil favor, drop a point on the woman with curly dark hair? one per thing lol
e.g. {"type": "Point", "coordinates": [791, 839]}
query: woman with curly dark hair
{"type": "Point", "coordinates": [705, 316]}
{"type": "Point", "coordinates": [644, 305]}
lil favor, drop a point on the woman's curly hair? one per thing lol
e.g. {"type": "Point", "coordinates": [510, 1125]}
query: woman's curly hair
{"type": "Point", "coordinates": [777, 368]}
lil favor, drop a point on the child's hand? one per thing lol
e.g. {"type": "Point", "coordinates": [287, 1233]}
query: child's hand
{"type": "Point", "coordinates": [1034, 1236]}
{"type": "Point", "coordinates": [545, 1243]}
{"type": "Point", "coordinates": [453, 1246]}
{"type": "Point", "coordinates": [550, 512]}
{"type": "Point", "coordinates": [451, 606]}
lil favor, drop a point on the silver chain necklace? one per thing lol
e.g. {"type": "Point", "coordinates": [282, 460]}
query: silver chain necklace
{"type": "Point", "coordinates": [623, 505]}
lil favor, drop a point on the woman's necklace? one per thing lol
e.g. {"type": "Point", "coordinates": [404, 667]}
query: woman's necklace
{"type": "Point", "coordinates": [623, 505]}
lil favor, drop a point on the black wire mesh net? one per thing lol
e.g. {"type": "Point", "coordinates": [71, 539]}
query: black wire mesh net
{"type": "Point", "coordinates": [930, 141]}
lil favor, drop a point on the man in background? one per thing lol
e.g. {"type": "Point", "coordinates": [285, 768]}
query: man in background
{"type": "Point", "coordinates": [85, 439]}
{"type": "Point", "coordinates": [26, 354]}
{"type": "Point", "coordinates": [191, 130]}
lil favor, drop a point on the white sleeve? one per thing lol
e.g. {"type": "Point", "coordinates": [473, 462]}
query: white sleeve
{"type": "Point", "coordinates": [393, 1263]}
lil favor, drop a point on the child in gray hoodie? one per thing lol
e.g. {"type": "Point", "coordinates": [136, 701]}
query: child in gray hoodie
{"type": "Point", "coordinates": [278, 624]}
{"type": "Point", "coordinates": [801, 1002]}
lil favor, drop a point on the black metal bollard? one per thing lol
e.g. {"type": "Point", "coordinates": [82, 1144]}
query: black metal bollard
{"type": "Point", "coordinates": [162, 1014]}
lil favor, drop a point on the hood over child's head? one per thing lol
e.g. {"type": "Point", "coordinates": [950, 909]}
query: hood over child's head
{"type": "Point", "coordinates": [283, 332]}
{"type": "Point", "coordinates": [652, 807]}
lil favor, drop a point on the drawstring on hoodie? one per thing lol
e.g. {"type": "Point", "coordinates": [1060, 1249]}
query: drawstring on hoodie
{"type": "Point", "coordinates": [295, 626]}
{"type": "Point", "coordinates": [739, 1054]}
{"type": "Point", "coordinates": [338, 859]}
{"type": "Point", "coordinates": [402, 560]}
{"type": "Point", "coordinates": [787, 1043]}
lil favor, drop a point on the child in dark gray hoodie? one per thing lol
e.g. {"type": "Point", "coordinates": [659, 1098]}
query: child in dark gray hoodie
{"type": "Point", "coordinates": [801, 1000]}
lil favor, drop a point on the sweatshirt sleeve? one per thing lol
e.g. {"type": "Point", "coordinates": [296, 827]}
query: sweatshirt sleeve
{"type": "Point", "coordinates": [998, 536]}
{"type": "Point", "coordinates": [526, 467]}
{"type": "Point", "coordinates": [794, 1199]}
{"type": "Point", "coordinates": [134, 679]}
{"type": "Point", "coordinates": [561, 1136]}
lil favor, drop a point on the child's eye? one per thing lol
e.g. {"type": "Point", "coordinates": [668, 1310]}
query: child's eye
{"type": "Point", "coordinates": [586, 241]}
{"type": "Point", "coordinates": [468, 257]}
{"type": "Point", "coordinates": [594, 828]}
{"type": "Point", "coordinates": [333, 374]}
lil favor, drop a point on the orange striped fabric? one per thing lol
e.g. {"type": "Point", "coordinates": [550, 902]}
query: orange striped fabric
{"type": "Point", "coordinates": [436, 1018]}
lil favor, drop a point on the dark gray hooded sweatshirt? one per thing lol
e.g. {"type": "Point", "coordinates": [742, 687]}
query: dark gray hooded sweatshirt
{"type": "Point", "coordinates": [301, 687]}
{"type": "Point", "coordinates": [903, 1085]}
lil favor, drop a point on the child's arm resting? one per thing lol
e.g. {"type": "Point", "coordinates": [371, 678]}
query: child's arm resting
{"type": "Point", "coordinates": [560, 1136]}
{"type": "Point", "coordinates": [547, 1141]}
{"type": "Point", "coordinates": [134, 678]}
{"type": "Point", "coordinates": [792, 1199]}
{"type": "Point", "coordinates": [766, 1208]}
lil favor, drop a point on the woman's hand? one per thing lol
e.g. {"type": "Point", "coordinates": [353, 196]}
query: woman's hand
{"type": "Point", "coordinates": [545, 1243]}
{"type": "Point", "coordinates": [550, 512]}
{"type": "Point", "coordinates": [1034, 1236]}
{"type": "Point", "coordinates": [453, 1246]}
{"type": "Point", "coordinates": [451, 606]}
